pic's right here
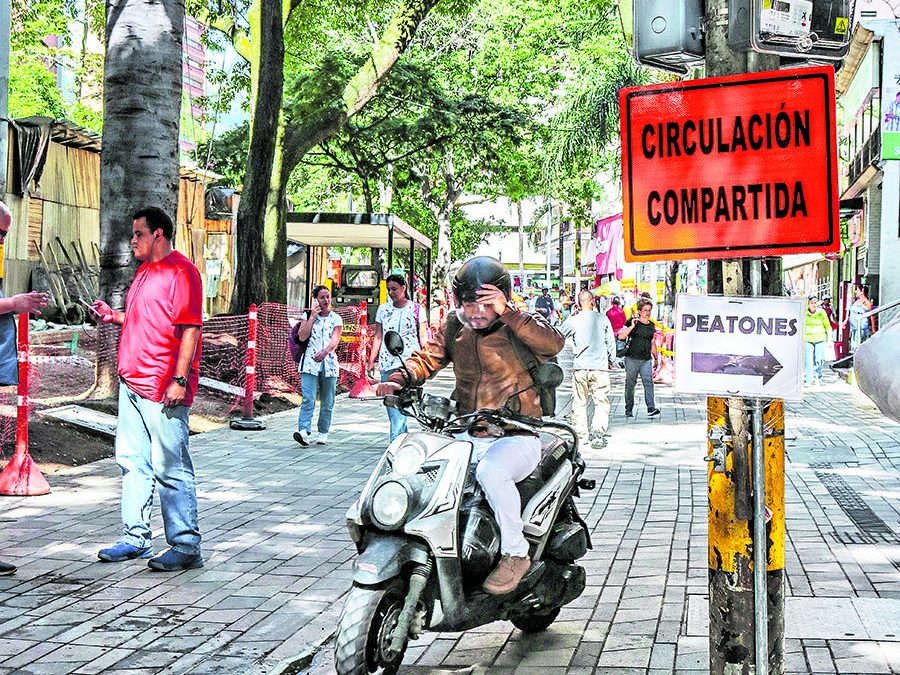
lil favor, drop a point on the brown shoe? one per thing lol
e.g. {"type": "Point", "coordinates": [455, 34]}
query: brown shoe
{"type": "Point", "coordinates": [507, 574]}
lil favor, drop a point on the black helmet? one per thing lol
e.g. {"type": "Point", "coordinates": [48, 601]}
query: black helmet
{"type": "Point", "coordinates": [479, 271]}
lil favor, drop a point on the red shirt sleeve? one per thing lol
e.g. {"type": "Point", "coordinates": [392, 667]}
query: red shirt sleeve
{"type": "Point", "coordinates": [187, 298]}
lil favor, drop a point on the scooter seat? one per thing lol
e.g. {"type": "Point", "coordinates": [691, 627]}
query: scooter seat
{"type": "Point", "coordinates": [553, 454]}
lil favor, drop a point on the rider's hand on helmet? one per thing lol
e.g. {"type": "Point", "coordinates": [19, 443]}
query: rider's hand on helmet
{"type": "Point", "coordinates": [490, 295]}
{"type": "Point", "coordinates": [387, 388]}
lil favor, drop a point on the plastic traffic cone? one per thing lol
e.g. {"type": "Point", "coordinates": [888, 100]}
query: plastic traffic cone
{"type": "Point", "coordinates": [21, 477]}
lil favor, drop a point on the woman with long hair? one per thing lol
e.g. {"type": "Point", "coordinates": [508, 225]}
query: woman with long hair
{"type": "Point", "coordinates": [407, 318]}
{"type": "Point", "coordinates": [640, 353]}
{"type": "Point", "coordinates": [319, 366]}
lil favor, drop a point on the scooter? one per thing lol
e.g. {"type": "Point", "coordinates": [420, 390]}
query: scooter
{"type": "Point", "coordinates": [427, 538]}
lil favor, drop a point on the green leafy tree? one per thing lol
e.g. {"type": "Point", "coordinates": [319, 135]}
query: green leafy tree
{"type": "Point", "coordinates": [306, 26]}
{"type": "Point", "coordinates": [39, 42]}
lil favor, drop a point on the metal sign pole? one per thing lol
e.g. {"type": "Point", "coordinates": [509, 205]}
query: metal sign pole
{"type": "Point", "coordinates": [760, 562]}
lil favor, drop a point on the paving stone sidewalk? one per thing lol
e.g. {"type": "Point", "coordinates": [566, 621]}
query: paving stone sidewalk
{"type": "Point", "coordinates": [278, 558]}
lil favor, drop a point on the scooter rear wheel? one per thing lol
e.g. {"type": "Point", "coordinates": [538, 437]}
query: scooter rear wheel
{"type": "Point", "coordinates": [535, 623]}
{"type": "Point", "coordinates": [364, 631]}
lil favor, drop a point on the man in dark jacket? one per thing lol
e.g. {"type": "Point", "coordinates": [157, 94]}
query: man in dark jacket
{"type": "Point", "coordinates": [488, 372]}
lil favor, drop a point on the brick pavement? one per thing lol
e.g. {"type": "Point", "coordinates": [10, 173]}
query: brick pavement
{"type": "Point", "coordinates": [278, 558]}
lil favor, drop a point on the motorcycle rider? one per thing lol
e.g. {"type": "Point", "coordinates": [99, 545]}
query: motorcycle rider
{"type": "Point", "coordinates": [488, 372]}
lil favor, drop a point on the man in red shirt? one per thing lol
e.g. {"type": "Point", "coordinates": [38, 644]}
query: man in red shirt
{"type": "Point", "coordinates": [159, 364]}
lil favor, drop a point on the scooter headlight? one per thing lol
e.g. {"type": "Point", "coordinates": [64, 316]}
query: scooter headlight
{"type": "Point", "coordinates": [390, 504]}
{"type": "Point", "coordinates": [408, 459]}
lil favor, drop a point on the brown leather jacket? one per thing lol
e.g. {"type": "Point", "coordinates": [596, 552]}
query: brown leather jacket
{"type": "Point", "coordinates": [485, 363]}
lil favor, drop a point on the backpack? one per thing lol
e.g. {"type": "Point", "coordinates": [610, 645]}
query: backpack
{"type": "Point", "coordinates": [297, 347]}
{"type": "Point", "coordinates": [526, 358]}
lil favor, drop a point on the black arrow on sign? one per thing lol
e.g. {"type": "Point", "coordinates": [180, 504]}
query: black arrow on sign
{"type": "Point", "coordinates": [766, 365]}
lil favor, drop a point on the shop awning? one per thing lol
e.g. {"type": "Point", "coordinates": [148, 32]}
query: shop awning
{"type": "Point", "coordinates": [369, 230]}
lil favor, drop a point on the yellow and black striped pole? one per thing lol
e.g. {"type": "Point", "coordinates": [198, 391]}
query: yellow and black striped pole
{"type": "Point", "coordinates": [731, 599]}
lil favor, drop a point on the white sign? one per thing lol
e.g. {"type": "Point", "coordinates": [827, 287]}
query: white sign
{"type": "Point", "coordinates": [736, 346]}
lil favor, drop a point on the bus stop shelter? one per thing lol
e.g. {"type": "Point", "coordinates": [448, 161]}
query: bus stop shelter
{"type": "Point", "coordinates": [362, 230]}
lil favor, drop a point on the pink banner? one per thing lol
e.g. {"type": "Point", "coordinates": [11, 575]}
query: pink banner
{"type": "Point", "coordinates": [610, 246]}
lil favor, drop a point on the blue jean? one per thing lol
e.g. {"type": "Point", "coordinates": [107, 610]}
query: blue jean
{"type": "Point", "coordinates": [152, 451]}
{"type": "Point", "coordinates": [633, 367]}
{"type": "Point", "coordinates": [814, 361]}
{"type": "Point", "coordinates": [325, 387]}
{"type": "Point", "coordinates": [397, 418]}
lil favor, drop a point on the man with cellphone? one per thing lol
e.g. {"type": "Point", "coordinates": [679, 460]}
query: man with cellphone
{"type": "Point", "coordinates": [159, 367]}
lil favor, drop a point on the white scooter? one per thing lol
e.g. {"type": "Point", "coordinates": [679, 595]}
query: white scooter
{"type": "Point", "coordinates": [427, 537]}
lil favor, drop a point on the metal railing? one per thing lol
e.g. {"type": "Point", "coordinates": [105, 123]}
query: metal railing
{"type": "Point", "coordinates": [869, 154]}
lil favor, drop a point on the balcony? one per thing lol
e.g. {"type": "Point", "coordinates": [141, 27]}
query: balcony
{"type": "Point", "coordinates": [862, 168]}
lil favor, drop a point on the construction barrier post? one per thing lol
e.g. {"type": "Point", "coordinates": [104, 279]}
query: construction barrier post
{"type": "Point", "coordinates": [247, 423]}
{"type": "Point", "coordinates": [20, 476]}
{"type": "Point", "coordinates": [363, 328]}
{"type": "Point", "coordinates": [361, 387]}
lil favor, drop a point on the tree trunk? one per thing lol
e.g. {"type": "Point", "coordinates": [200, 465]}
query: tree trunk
{"type": "Point", "coordinates": [257, 240]}
{"type": "Point", "coordinates": [442, 266]}
{"type": "Point", "coordinates": [672, 268]}
{"type": "Point", "coordinates": [139, 162]}
{"type": "Point", "coordinates": [386, 189]}
{"type": "Point", "coordinates": [367, 194]}
{"type": "Point", "coordinates": [521, 243]}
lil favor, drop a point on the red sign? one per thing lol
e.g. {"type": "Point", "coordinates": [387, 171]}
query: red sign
{"type": "Point", "coordinates": [727, 167]}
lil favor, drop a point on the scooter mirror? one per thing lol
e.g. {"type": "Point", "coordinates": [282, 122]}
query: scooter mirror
{"type": "Point", "coordinates": [394, 343]}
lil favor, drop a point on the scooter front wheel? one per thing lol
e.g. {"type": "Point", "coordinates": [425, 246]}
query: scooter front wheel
{"type": "Point", "coordinates": [364, 631]}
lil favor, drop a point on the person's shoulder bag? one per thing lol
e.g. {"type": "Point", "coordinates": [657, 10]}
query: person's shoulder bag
{"type": "Point", "coordinates": [296, 345]}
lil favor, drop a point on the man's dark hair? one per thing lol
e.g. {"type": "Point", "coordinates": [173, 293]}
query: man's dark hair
{"type": "Point", "coordinates": [616, 302]}
{"type": "Point", "coordinates": [156, 219]}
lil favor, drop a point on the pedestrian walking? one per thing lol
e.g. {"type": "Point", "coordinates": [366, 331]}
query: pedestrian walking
{"type": "Point", "coordinates": [594, 349]}
{"type": "Point", "coordinates": [565, 305]}
{"type": "Point", "coordinates": [544, 305]}
{"type": "Point", "coordinates": [640, 353]}
{"type": "Point", "coordinates": [616, 316]}
{"type": "Point", "coordinates": [816, 331]}
{"type": "Point", "coordinates": [159, 367]}
{"type": "Point", "coordinates": [829, 310]}
{"type": "Point", "coordinates": [318, 368]}
{"type": "Point", "coordinates": [22, 303]}
{"type": "Point", "coordinates": [860, 327]}
{"type": "Point", "coordinates": [406, 318]}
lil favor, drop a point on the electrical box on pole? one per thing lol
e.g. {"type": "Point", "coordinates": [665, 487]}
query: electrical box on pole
{"type": "Point", "coordinates": [668, 34]}
{"type": "Point", "coordinates": [805, 29]}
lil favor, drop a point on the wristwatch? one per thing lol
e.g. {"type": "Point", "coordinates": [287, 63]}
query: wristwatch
{"type": "Point", "coordinates": [180, 379]}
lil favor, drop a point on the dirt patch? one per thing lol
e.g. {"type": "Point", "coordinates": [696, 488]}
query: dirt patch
{"type": "Point", "coordinates": [54, 444]}
{"type": "Point", "coordinates": [63, 372]}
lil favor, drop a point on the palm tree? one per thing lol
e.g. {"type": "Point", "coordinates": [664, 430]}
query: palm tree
{"type": "Point", "coordinates": [141, 119]}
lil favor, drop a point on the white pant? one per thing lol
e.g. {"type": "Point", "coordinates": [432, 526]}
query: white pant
{"type": "Point", "coordinates": [503, 462]}
{"type": "Point", "coordinates": [593, 384]}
